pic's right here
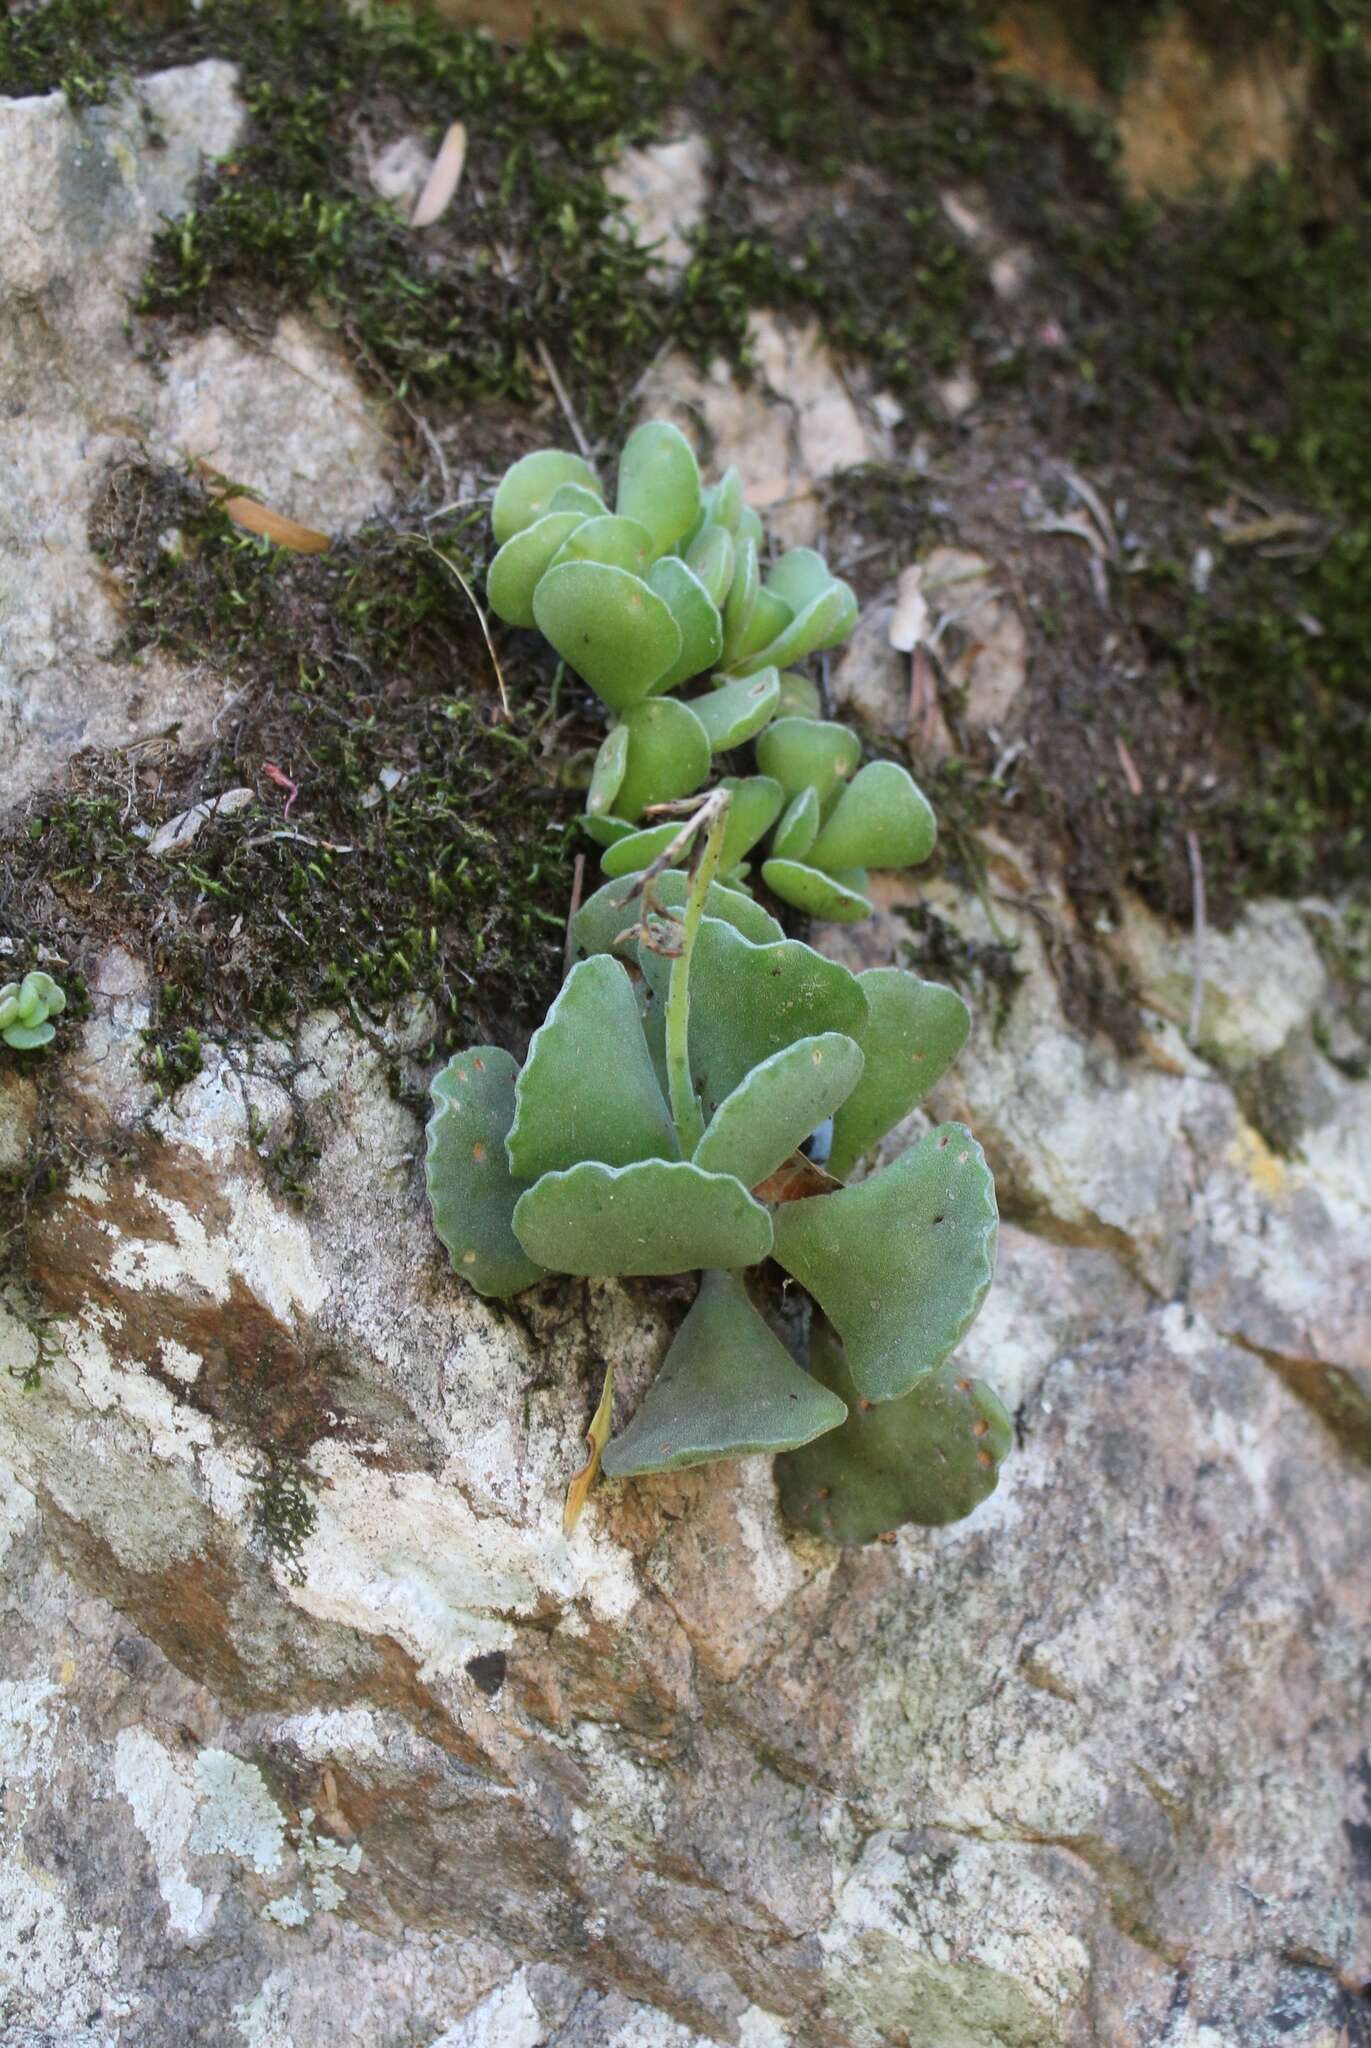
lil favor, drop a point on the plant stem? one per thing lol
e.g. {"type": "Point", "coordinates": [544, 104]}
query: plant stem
{"type": "Point", "coordinates": [685, 1106]}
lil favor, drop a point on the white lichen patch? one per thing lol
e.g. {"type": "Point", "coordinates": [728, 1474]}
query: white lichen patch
{"type": "Point", "coordinates": [405, 1555]}
{"type": "Point", "coordinates": [159, 1788]}
{"type": "Point", "coordinates": [236, 1814]}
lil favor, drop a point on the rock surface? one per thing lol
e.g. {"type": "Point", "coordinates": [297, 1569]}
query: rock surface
{"type": "Point", "coordinates": [315, 1728]}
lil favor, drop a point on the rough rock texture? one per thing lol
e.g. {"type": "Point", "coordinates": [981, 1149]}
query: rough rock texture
{"type": "Point", "coordinates": [85, 195]}
{"type": "Point", "coordinates": [314, 1727]}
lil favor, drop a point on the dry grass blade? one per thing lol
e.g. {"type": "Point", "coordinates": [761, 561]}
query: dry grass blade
{"type": "Point", "coordinates": [441, 184]}
{"type": "Point", "coordinates": [1129, 767]}
{"type": "Point", "coordinates": [274, 526]}
{"type": "Point", "coordinates": [597, 1436]}
{"type": "Point", "coordinates": [475, 603]}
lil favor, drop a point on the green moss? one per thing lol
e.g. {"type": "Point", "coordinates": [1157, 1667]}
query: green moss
{"type": "Point", "coordinates": [72, 46]}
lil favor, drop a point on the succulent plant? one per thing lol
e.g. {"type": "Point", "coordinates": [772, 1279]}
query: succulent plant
{"type": "Point", "coordinates": [25, 1009]}
{"type": "Point", "coordinates": [656, 1127]}
{"type": "Point", "coordinates": [663, 592]}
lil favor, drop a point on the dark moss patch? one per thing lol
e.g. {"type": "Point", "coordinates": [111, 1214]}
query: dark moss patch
{"type": "Point", "coordinates": [284, 1512]}
{"type": "Point", "coordinates": [422, 853]}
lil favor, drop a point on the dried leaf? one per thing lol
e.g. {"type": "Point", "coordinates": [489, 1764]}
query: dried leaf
{"type": "Point", "coordinates": [274, 526]}
{"type": "Point", "coordinates": [909, 621]}
{"type": "Point", "coordinates": [796, 1181]}
{"type": "Point", "coordinates": [178, 832]}
{"type": "Point", "coordinates": [597, 1436]}
{"type": "Point", "coordinates": [443, 180]}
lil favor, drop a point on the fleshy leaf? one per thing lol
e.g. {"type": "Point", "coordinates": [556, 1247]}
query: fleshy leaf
{"type": "Point", "coordinates": [527, 488]}
{"type": "Point", "coordinates": [601, 918]}
{"type": "Point", "coordinates": [900, 1263]}
{"type": "Point", "coordinates": [798, 829]}
{"type": "Point", "coordinates": [711, 558]}
{"type": "Point", "coordinates": [756, 802]}
{"type": "Point", "coordinates": [50, 994]}
{"type": "Point", "coordinates": [659, 482]}
{"type": "Point", "coordinates": [929, 1457]}
{"type": "Point", "coordinates": [829, 619]}
{"type": "Point", "coordinates": [26, 1037]}
{"type": "Point", "coordinates": [609, 627]}
{"type": "Point", "coordinates": [727, 1388]}
{"type": "Point", "coordinates": [830, 897]}
{"type": "Point", "coordinates": [881, 820]}
{"type": "Point", "coordinates": [775, 1107]}
{"type": "Point", "coordinates": [668, 755]}
{"type": "Point", "coordinates": [617, 542]}
{"type": "Point", "coordinates": [470, 1187]}
{"type": "Point", "coordinates": [660, 1216]}
{"type": "Point", "coordinates": [914, 1031]}
{"type": "Point", "coordinates": [578, 498]}
{"type": "Point", "coordinates": [604, 828]}
{"type": "Point", "coordinates": [524, 559]}
{"type": "Point", "coordinates": [742, 596]}
{"type": "Point", "coordinates": [748, 1001]}
{"type": "Point", "coordinates": [799, 697]}
{"type": "Point", "coordinates": [588, 1089]}
{"type": "Point", "coordinates": [638, 849]}
{"type": "Point", "coordinates": [726, 505]}
{"type": "Point", "coordinates": [799, 577]}
{"type": "Point", "coordinates": [606, 778]}
{"type": "Point", "coordinates": [770, 617]}
{"type": "Point", "coordinates": [809, 753]}
{"type": "Point", "coordinates": [738, 711]}
{"type": "Point", "coordinates": [750, 527]}
{"type": "Point", "coordinates": [697, 616]}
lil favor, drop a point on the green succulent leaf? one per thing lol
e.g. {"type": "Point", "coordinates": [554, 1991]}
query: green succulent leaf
{"type": "Point", "coordinates": [588, 1089]}
{"type": "Point", "coordinates": [738, 711]}
{"type": "Point", "coordinates": [609, 626]}
{"type": "Point", "coordinates": [638, 850]}
{"type": "Point", "coordinates": [617, 542]}
{"type": "Point", "coordinates": [606, 777]}
{"type": "Point", "coordinates": [524, 559]}
{"type": "Point", "coordinates": [527, 489]}
{"type": "Point", "coordinates": [799, 577]}
{"type": "Point", "coordinates": [9, 1004]}
{"type": "Point", "coordinates": [913, 1032]}
{"type": "Point", "coordinates": [749, 1001]}
{"type": "Point", "coordinates": [697, 616]}
{"type": "Point", "coordinates": [750, 527]}
{"type": "Point", "coordinates": [901, 1263]}
{"type": "Point", "coordinates": [668, 755]}
{"type": "Point", "coordinates": [756, 803]}
{"type": "Point", "coordinates": [710, 556]}
{"type": "Point", "coordinates": [727, 1388]}
{"type": "Point", "coordinates": [837, 899]}
{"type": "Point", "coordinates": [27, 1037]}
{"type": "Point", "coordinates": [929, 1457]}
{"type": "Point", "coordinates": [809, 753]}
{"type": "Point", "coordinates": [726, 503]}
{"type": "Point", "coordinates": [798, 829]}
{"type": "Point", "coordinates": [775, 1108]}
{"type": "Point", "coordinates": [823, 623]}
{"type": "Point", "coordinates": [742, 596]}
{"type": "Point", "coordinates": [769, 619]}
{"type": "Point", "coordinates": [659, 482]}
{"type": "Point", "coordinates": [577, 498]}
{"type": "Point", "coordinates": [881, 820]}
{"type": "Point", "coordinates": [604, 828]}
{"type": "Point", "coordinates": [601, 918]}
{"type": "Point", "coordinates": [660, 1216]}
{"type": "Point", "coordinates": [470, 1187]}
{"type": "Point", "coordinates": [41, 987]}
{"type": "Point", "coordinates": [799, 697]}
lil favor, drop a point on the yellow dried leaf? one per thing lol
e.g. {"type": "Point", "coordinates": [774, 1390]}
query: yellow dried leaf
{"type": "Point", "coordinates": [287, 533]}
{"type": "Point", "coordinates": [443, 180]}
{"type": "Point", "coordinates": [597, 1436]}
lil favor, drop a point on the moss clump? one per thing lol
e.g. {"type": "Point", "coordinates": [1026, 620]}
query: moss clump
{"type": "Point", "coordinates": [284, 1513]}
{"type": "Point", "coordinates": [422, 853]}
{"type": "Point", "coordinates": [71, 46]}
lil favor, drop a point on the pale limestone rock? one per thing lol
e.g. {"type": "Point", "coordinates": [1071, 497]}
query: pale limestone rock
{"type": "Point", "coordinates": [399, 171]}
{"type": "Point", "coordinates": [664, 190]}
{"type": "Point", "coordinates": [796, 425]}
{"type": "Point", "coordinates": [82, 194]}
{"type": "Point", "coordinates": [985, 648]}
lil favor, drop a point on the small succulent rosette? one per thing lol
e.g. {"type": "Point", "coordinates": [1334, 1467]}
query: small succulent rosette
{"type": "Point", "coordinates": [576, 1164]}
{"type": "Point", "coordinates": [669, 591]}
{"type": "Point", "coordinates": [27, 1008]}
